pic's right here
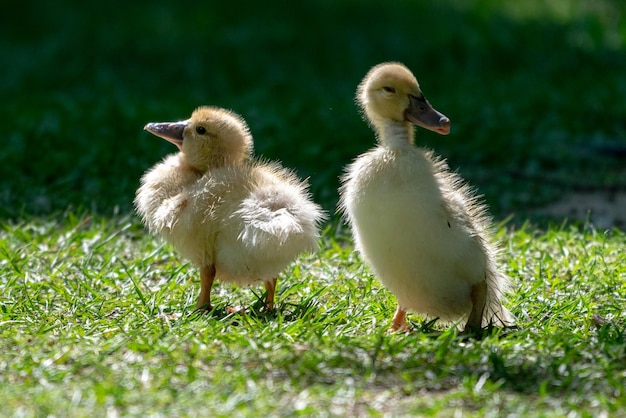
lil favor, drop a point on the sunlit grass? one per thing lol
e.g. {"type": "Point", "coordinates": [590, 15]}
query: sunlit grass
{"type": "Point", "coordinates": [97, 317]}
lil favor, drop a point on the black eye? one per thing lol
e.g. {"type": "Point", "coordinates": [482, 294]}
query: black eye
{"type": "Point", "coordinates": [201, 130]}
{"type": "Point", "coordinates": [389, 89]}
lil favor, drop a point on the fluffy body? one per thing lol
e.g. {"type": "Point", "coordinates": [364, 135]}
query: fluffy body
{"type": "Point", "coordinates": [422, 233]}
{"type": "Point", "coordinates": [248, 221]}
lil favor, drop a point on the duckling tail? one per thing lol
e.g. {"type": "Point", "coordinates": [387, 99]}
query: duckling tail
{"type": "Point", "coordinates": [276, 215]}
{"type": "Point", "coordinates": [496, 313]}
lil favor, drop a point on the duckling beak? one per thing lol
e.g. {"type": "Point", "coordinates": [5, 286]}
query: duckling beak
{"type": "Point", "coordinates": [170, 131]}
{"type": "Point", "coordinates": [421, 113]}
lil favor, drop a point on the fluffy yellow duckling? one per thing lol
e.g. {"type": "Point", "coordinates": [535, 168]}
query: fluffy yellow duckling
{"type": "Point", "coordinates": [419, 228]}
{"type": "Point", "coordinates": [238, 219]}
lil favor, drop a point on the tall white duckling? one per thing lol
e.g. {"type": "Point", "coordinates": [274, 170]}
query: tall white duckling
{"type": "Point", "coordinates": [419, 228]}
{"type": "Point", "coordinates": [239, 220]}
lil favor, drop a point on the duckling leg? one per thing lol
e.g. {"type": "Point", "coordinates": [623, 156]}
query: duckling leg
{"type": "Point", "coordinates": [478, 296]}
{"type": "Point", "coordinates": [398, 323]}
{"type": "Point", "coordinates": [270, 288]}
{"type": "Point", "coordinates": [207, 276]}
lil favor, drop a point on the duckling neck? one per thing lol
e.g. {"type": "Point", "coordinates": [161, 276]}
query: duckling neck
{"type": "Point", "coordinates": [185, 167]}
{"type": "Point", "coordinates": [202, 166]}
{"type": "Point", "coordinates": [394, 135]}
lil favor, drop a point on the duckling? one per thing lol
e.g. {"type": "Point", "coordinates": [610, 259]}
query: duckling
{"type": "Point", "coordinates": [238, 219]}
{"type": "Point", "coordinates": [421, 230]}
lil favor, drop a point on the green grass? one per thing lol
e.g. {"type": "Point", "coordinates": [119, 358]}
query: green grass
{"type": "Point", "coordinates": [96, 317]}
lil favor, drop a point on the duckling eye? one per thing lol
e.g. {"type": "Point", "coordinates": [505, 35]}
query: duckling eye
{"type": "Point", "coordinates": [389, 89]}
{"type": "Point", "coordinates": [201, 130]}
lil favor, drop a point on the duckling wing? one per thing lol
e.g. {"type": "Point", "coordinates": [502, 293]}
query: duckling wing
{"type": "Point", "coordinates": [164, 194]}
{"type": "Point", "coordinates": [465, 207]}
{"type": "Point", "coordinates": [265, 220]}
{"type": "Point", "coordinates": [278, 212]}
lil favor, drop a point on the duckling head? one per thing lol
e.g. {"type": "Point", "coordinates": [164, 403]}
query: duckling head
{"type": "Point", "coordinates": [389, 93]}
{"type": "Point", "coordinates": [212, 137]}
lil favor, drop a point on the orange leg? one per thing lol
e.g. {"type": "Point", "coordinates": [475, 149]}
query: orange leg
{"type": "Point", "coordinates": [398, 323]}
{"type": "Point", "coordinates": [479, 300]}
{"type": "Point", "coordinates": [207, 276]}
{"type": "Point", "coordinates": [270, 288]}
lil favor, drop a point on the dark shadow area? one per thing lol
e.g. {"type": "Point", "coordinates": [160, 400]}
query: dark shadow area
{"type": "Point", "coordinates": [535, 96]}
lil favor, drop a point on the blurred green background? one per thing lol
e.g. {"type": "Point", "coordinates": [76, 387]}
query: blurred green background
{"type": "Point", "coordinates": [535, 91]}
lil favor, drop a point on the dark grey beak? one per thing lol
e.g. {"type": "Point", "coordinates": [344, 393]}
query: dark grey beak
{"type": "Point", "coordinates": [421, 113]}
{"type": "Point", "coordinates": [170, 131]}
